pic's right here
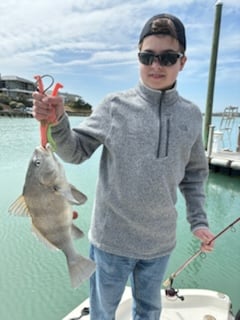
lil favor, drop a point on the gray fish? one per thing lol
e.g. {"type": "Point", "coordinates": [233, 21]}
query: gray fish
{"type": "Point", "coordinates": [47, 198]}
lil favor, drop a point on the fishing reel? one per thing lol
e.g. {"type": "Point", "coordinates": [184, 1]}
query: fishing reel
{"type": "Point", "coordinates": [171, 292]}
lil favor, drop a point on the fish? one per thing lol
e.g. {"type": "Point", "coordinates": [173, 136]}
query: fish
{"type": "Point", "coordinates": [47, 199]}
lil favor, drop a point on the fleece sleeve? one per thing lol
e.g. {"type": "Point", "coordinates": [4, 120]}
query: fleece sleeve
{"type": "Point", "coordinates": [78, 144]}
{"type": "Point", "coordinates": [192, 186]}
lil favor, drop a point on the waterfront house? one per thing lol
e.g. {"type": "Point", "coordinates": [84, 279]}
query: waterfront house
{"type": "Point", "coordinates": [16, 87]}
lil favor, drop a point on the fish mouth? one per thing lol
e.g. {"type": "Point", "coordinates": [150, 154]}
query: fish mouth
{"type": "Point", "coordinates": [44, 151]}
{"type": "Point", "coordinates": [47, 148]}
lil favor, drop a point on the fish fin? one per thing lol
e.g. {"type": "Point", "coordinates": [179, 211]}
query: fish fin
{"type": "Point", "coordinates": [78, 195]}
{"type": "Point", "coordinates": [80, 269]}
{"type": "Point", "coordinates": [42, 239]}
{"type": "Point", "coordinates": [76, 232]}
{"type": "Point", "coordinates": [19, 207]}
{"type": "Point", "coordinates": [68, 195]}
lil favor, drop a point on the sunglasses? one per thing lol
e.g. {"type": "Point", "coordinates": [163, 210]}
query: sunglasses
{"type": "Point", "coordinates": [165, 59]}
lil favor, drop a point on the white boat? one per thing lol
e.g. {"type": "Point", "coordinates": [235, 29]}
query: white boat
{"type": "Point", "coordinates": [197, 304]}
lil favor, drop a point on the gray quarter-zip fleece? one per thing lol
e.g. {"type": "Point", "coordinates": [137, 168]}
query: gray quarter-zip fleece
{"type": "Point", "coordinates": [152, 144]}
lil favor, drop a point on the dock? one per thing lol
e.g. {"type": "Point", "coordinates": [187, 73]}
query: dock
{"type": "Point", "coordinates": [222, 159]}
{"type": "Point", "coordinates": [15, 114]}
{"type": "Point", "coordinates": [225, 161]}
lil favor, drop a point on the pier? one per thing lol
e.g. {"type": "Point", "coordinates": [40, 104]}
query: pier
{"type": "Point", "coordinates": [222, 159]}
{"type": "Point", "coordinates": [225, 161]}
{"type": "Point", "coordinates": [15, 114]}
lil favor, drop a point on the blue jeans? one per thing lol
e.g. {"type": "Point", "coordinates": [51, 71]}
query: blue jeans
{"type": "Point", "coordinates": [107, 285]}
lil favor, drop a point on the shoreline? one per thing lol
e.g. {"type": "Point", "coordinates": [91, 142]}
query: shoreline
{"type": "Point", "coordinates": [22, 114]}
{"type": "Point", "coordinates": [80, 113]}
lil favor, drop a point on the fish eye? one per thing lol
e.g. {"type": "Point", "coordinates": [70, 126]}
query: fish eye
{"type": "Point", "coordinates": [37, 162]}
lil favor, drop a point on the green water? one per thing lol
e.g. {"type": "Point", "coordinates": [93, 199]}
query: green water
{"type": "Point", "coordinates": [34, 282]}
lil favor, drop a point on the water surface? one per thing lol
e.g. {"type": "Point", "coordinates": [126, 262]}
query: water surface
{"type": "Point", "coordinates": [34, 282]}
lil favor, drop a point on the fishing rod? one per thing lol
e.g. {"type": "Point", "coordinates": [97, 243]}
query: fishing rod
{"type": "Point", "coordinates": [168, 282]}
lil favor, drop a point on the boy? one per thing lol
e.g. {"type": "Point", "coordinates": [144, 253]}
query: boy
{"type": "Point", "coordinates": [152, 144]}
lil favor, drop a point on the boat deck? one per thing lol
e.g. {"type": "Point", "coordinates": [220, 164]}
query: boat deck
{"type": "Point", "coordinates": [197, 304]}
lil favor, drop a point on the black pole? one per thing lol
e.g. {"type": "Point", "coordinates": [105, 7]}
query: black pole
{"type": "Point", "coordinates": [212, 72]}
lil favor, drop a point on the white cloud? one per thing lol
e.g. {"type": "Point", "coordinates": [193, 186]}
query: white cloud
{"type": "Point", "coordinates": [89, 36]}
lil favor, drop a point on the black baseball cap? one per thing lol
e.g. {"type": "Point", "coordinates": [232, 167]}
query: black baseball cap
{"type": "Point", "coordinates": [179, 28]}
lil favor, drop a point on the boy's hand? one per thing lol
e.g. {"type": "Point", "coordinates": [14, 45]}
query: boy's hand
{"type": "Point", "coordinates": [205, 235]}
{"type": "Point", "coordinates": [47, 107]}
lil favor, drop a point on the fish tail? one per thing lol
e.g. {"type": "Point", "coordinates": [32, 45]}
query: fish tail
{"type": "Point", "coordinates": [80, 269]}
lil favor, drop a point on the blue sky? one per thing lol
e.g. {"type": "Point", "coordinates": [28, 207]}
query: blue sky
{"type": "Point", "coordinates": [91, 46]}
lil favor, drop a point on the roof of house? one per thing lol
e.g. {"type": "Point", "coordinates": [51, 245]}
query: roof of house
{"type": "Point", "coordinates": [15, 78]}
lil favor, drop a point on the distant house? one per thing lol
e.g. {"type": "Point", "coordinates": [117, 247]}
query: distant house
{"type": "Point", "coordinates": [16, 87]}
{"type": "Point", "coordinates": [70, 97]}
{"type": "Point", "coordinates": [67, 97]}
